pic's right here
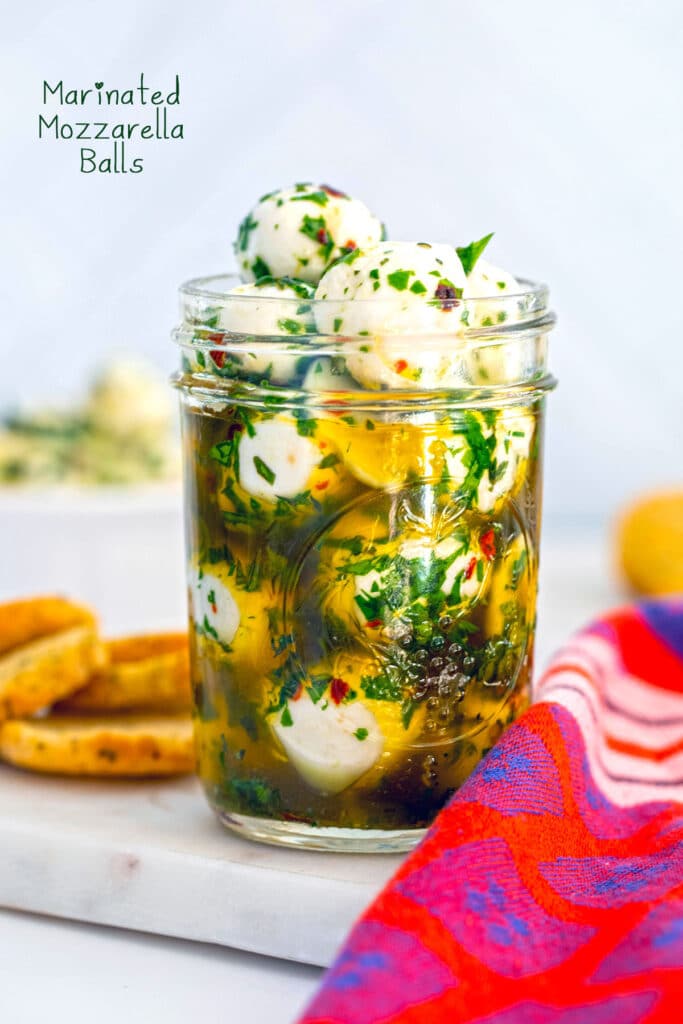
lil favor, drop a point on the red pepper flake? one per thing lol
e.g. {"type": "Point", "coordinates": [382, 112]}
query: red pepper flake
{"type": "Point", "coordinates": [218, 357]}
{"type": "Point", "coordinates": [373, 623]}
{"type": "Point", "coordinates": [447, 296]}
{"type": "Point", "coordinates": [323, 485]}
{"type": "Point", "coordinates": [471, 566]}
{"type": "Point", "coordinates": [234, 428]}
{"type": "Point", "coordinates": [297, 693]}
{"type": "Point", "coordinates": [334, 192]}
{"type": "Point", "coordinates": [323, 237]}
{"type": "Point", "coordinates": [322, 444]}
{"type": "Point", "coordinates": [350, 245]}
{"type": "Point", "coordinates": [400, 365]}
{"type": "Point", "coordinates": [487, 543]}
{"type": "Point", "coordinates": [338, 690]}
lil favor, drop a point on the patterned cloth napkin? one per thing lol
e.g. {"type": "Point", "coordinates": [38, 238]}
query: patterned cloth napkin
{"type": "Point", "coordinates": [550, 889]}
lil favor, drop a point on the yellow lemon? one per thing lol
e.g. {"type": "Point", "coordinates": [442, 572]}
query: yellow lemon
{"type": "Point", "coordinates": [650, 543]}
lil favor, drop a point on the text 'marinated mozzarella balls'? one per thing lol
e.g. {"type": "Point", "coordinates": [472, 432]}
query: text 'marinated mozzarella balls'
{"type": "Point", "coordinates": [299, 231]}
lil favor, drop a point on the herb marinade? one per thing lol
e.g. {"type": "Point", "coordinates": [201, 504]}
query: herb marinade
{"type": "Point", "coordinates": [401, 578]}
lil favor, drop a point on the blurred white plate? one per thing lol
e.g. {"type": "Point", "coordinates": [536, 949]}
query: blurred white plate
{"type": "Point", "coordinates": [119, 549]}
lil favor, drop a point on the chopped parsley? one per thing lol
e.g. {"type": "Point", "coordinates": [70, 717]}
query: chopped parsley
{"type": "Point", "coordinates": [290, 326]}
{"type": "Point", "coordinates": [399, 279]}
{"type": "Point", "coordinates": [469, 254]}
{"type": "Point", "coordinates": [260, 268]}
{"type": "Point", "coordinates": [306, 427]}
{"type": "Point", "coordinates": [361, 733]}
{"type": "Point", "coordinates": [321, 198]}
{"type": "Point", "coordinates": [382, 687]}
{"type": "Point", "coordinates": [264, 470]}
{"type": "Point", "coordinates": [286, 718]}
{"type": "Point", "coordinates": [243, 232]}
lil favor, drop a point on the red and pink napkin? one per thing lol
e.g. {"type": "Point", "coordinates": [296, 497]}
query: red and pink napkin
{"type": "Point", "coordinates": [550, 889]}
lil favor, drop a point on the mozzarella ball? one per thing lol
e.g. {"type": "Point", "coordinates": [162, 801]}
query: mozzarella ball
{"type": "Point", "coordinates": [214, 609]}
{"type": "Point", "coordinates": [271, 307]}
{"type": "Point", "coordinates": [387, 295]}
{"type": "Point", "coordinates": [490, 458]}
{"type": "Point", "coordinates": [327, 374]}
{"type": "Point", "coordinates": [330, 743]}
{"type": "Point", "coordinates": [262, 312]}
{"type": "Point", "coordinates": [487, 291]}
{"type": "Point", "coordinates": [130, 398]}
{"type": "Point", "coordinates": [299, 231]}
{"type": "Point", "coordinates": [275, 461]}
{"type": "Point", "coordinates": [454, 566]}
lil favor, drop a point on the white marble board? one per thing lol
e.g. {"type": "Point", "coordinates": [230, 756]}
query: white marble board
{"type": "Point", "coordinates": [151, 857]}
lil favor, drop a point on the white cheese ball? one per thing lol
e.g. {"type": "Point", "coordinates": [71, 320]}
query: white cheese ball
{"type": "Point", "coordinates": [509, 442]}
{"type": "Point", "coordinates": [276, 462]}
{"type": "Point", "coordinates": [214, 609]}
{"type": "Point", "coordinates": [268, 308]}
{"type": "Point", "coordinates": [327, 374]}
{"type": "Point", "coordinates": [486, 290]}
{"type": "Point", "coordinates": [271, 307]}
{"type": "Point", "coordinates": [388, 295]}
{"type": "Point", "coordinates": [130, 397]}
{"type": "Point", "coordinates": [330, 745]}
{"type": "Point", "coordinates": [299, 231]}
{"type": "Point", "coordinates": [463, 576]}
{"type": "Point", "coordinates": [461, 567]}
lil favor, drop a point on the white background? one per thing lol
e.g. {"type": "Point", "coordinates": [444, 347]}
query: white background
{"type": "Point", "coordinates": [557, 125]}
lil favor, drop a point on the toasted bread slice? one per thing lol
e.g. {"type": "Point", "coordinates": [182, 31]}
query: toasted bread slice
{"type": "Point", "coordinates": [36, 674]}
{"type": "Point", "coordinates": [116, 745]}
{"type": "Point", "coordinates": [149, 672]}
{"type": "Point", "coordinates": [36, 617]}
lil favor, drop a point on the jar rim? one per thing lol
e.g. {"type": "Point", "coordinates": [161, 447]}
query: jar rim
{"type": "Point", "coordinates": [219, 287]}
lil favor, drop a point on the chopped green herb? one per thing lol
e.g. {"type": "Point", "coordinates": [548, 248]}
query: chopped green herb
{"type": "Point", "coordinates": [243, 232]}
{"type": "Point", "coordinates": [317, 686]}
{"type": "Point", "coordinates": [381, 687]}
{"type": "Point", "coordinates": [260, 268]}
{"type": "Point", "coordinates": [469, 254]}
{"type": "Point", "coordinates": [291, 326]}
{"type": "Point", "coordinates": [208, 628]}
{"type": "Point", "coordinates": [286, 718]}
{"type": "Point", "coordinates": [361, 733]}
{"type": "Point", "coordinates": [399, 279]}
{"type": "Point", "coordinates": [321, 198]}
{"type": "Point", "coordinates": [306, 427]}
{"type": "Point", "coordinates": [264, 470]}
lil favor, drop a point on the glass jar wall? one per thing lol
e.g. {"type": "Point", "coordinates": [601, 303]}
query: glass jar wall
{"type": "Point", "coordinates": [362, 533]}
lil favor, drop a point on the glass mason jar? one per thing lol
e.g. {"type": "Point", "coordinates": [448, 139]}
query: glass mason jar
{"type": "Point", "coordinates": [362, 516]}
